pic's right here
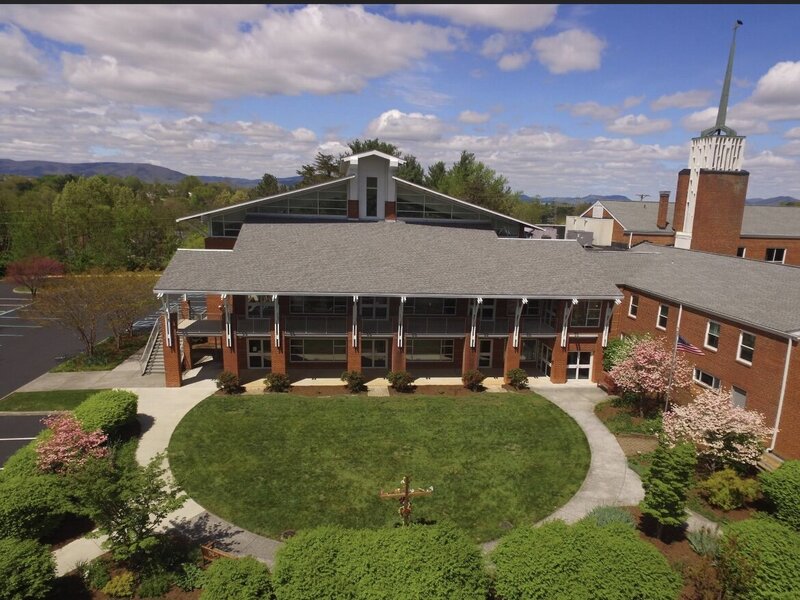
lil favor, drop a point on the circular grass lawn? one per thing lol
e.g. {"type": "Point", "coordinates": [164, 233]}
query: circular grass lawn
{"type": "Point", "coordinates": [278, 462]}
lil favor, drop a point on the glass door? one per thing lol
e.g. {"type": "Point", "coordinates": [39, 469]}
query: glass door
{"type": "Point", "coordinates": [373, 353]}
{"type": "Point", "coordinates": [579, 365]}
{"type": "Point", "coordinates": [485, 354]}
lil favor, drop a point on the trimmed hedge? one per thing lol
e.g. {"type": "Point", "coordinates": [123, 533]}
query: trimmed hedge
{"type": "Point", "coordinates": [27, 570]}
{"type": "Point", "coordinates": [760, 558]}
{"type": "Point", "coordinates": [23, 463]}
{"type": "Point", "coordinates": [32, 506]}
{"type": "Point", "coordinates": [419, 561]}
{"type": "Point", "coordinates": [110, 411]}
{"type": "Point", "coordinates": [582, 561]}
{"type": "Point", "coordinates": [236, 579]}
{"type": "Point", "coordinates": [782, 489]}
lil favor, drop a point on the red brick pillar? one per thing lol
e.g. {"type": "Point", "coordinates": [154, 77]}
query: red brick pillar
{"type": "Point", "coordinates": [230, 355]}
{"type": "Point", "coordinates": [597, 360]}
{"type": "Point", "coordinates": [172, 352]}
{"type": "Point", "coordinates": [681, 194]}
{"type": "Point", "coordinates": [390, 211]}
{"type": "Point", "coordinates": [186, 309]}
{"type": "Point", "coordinates": [187, 353]}
{"type": "Point", "coordinates": [398, 355]}
{"type": "Point", "coordinates": [279, 354]}
{"type": "Point", "coordinates": [352, 209]}
{"type": "Point", "coordinates": [558, 370]}
{"type": "Point", "coordinates": [470, 359]}
{"type": "Point", "coordinates": [353, 352]}
{"type": "Point", "coordinates": [512, 356]}
{"type": "Point", "coordinates": [663, 208]}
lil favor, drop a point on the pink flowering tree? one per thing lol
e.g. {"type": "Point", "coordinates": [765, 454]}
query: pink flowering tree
{"type": "Point", "coordinates": [69, 446]}
{"type": "Point", "coordinates": [723, 434]}
{"type": "Point", "coordinates": [649, 373]}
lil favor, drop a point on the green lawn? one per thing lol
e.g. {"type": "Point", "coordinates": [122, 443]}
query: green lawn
{"type": "Point", "coordinates": [106, 356]}
{"type": "Point", "coordinates": [36, 401]}
{"type": "Point", "coordinates": [276, 462]}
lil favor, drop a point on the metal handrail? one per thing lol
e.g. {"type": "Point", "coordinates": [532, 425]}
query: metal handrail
{"type": "Point", "coordinates": [148, 348]}
{"type": "Point", "coordinates": [435, 326]}
{"type": "Point", "coordinates": [316, 325]}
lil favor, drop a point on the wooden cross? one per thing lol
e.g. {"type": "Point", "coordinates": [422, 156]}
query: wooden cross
{"type": "Point", "coordinates": [404, 494]}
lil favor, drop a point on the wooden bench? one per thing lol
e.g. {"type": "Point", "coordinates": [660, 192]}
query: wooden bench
{"type": "Point", "coordinates": [210, 553]}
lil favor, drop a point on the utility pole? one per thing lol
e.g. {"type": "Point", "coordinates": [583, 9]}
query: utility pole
{"type": "Point", "coordinates": [642, 197]}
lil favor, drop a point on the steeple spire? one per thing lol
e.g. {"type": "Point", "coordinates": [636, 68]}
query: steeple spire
{"type": "Point", "coordinates": [719, 128]}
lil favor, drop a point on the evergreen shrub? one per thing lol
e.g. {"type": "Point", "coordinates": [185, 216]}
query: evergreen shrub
{"type": "Point", "coordinates": [725, 489]}
{"type": "Point", "coordinates": [354, 381]}
{"type": "Point", "coordinates": [277, 382]}
{"type": "Point", "coordinates": [517, 378]}
{"type": "Point", "coordinates": [111, 411]}
{"type": "Point", "coordinates": [782, 489]}
{"type": "Point", "coordinates": [473, 379]}
{"type": "Point", "coordinates": [27, 569]}
{"type": "Point", "coordinates": [401, 381]}
{"type": "Point", "coordinates": [229, 383]}
{"type": "Point", "coordinates": [236, 579]}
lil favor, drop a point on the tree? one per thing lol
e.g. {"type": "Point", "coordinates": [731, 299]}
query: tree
{"type": "Point", "coordinates": [471, 180]}
{"type": "Point", "coordinates": [358, 146]}
{"type": "Point", "coordinates": [324, 168]}
{"type": "Point", "coordinates": [650, 374]}
{"type": "Point", "coordinates": [268, 186]}
{"type": "Point", "coordinates": [666, 485]}
{"type": "Point", "coordinates": [128, 504]}
{"type": "Point", "coordinates": [411, 170]}
{"type": "Point", "coordinates": [435, 175]}
{"type": "Point", "coordinates": [722, 433]}
{"type": "Point", "coordinates": [69, 446]}
{"type": "Point", "coordinates": [27, 570]}
{"type": "Point", "coordinates": [33, 271]}
{"type": "Point", "coordinates": [126, 298]}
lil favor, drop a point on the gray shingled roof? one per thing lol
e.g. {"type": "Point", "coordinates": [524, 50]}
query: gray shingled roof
{"type": "Point", "coordinates": [393, 259]}
{"type": "Point", "coordinates": [761, 294]}
{"type": "Point", "coordinates": [639, 216]}
{"type": "Point", "coordinates": [771, 221]}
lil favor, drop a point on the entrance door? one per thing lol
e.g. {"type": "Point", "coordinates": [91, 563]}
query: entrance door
{"type": "Point", "coordinates": [485, 354]}
{"type": "Point", "coordinates": [579, 365]}
{"type": "Point", "coordinates": [373, 353]}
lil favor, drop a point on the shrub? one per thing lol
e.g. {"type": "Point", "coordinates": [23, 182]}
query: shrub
{"type": "Point", "coordinates": [27, 569]}
{"type": "Point", "coordinates": [726, 490]}
{"type": "Point", "coordinates": [619, 349]}
{"type": "Point", "coordinates": [32, 506]}
{"type": "Point", "coordinates": [69, 446]}
{"type": "Point", "coordinates": [96, 574]}
{"type": "Point", "coordinates": [110, 411]}
{"type": "Point", "coordinates": [24, 462]}
{"type": "Point", "coordinates": [402, 381]}
{"type": "Point", "coordinates": [189, 577]}
{"type": "Point", "coordinates": [473, 379]}
{"type": "Point", "coordinates": [120, 586]}
{"type": "Point", "coordinates": [607, 515]}
{"type": "Point", "coordinates": [277, 382]}
{"type": "Point", "coordinates": [517, 378]}
{"type": "Point", "coordinates": [782, 489]}
{"type": "Point", "coordinates": [666, 485]}
{"type": "Point", "coordinates": [418, 561]}
{"type": "Point", "coordinates": [581, 561]}
{"type": "Point", "coordinates": [235, 579]}
{"type": "Point", "coordinates": [760, 558]}
{"type": "Point", "coordinates": [354, 381]}
{"type": "Point", "coordinates": [229, 383]}
{"type": "Point", "coordinates": [155, 585]}
{"type": "Point", "coordinates": [704, 541]}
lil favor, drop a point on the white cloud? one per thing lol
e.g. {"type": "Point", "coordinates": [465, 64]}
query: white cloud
{"type": "Point", "coordinates": [793, 133]}
{"type": "Point", "coordinates": [494, 45]}
{"type": "Point", "coordinates": [735, 119]}
{"type": "Point", "coordinates": [571, 50]}
{"type": "Point", "coordinates": [592, 110]}
{"type": "Point", "coordinates": [780, 85]}
{"type": "Point", "coordinates": [638, 125]}
{"type": "Point", "coordinates": [473, 118]}
{"type": "Point", "coordinates": [508, 17]}
{"type": "Point", "coordinates": [632, 101]}
{"type": "Point", "coordinates": [396, 125]}
{"type": "Point", "coordinates": [767, 159]}
{"type": "Point", "coordinates": [19, 60]}
{"type": "Point", "coordinates": [514, 61]}
{"type": "Point", "coordinates": [194, 55]}
{"type": "Point", "coordinates": [689, 99]}
{"type": "Point", "coordinates": [416, 89]}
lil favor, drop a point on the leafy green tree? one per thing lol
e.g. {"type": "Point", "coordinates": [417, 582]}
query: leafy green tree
{"type": "Point", "coordinates": [435, 175]}
{"type": "Point", "coordinates": [411, 170]}
{"type": "Point", "coordinates": [268, 186]}
{"type": "Point", "coordinates": [471, 180]}
{"type": "Point", "coordinates": [667, 483]}
{"type": "Point", "coordinates": [324, 168]}
{"type": "Point", "coordinates": [358, 146]}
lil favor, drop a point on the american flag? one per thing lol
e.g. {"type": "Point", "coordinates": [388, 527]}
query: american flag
{"type": "Point", "coordinates": [687, 347]}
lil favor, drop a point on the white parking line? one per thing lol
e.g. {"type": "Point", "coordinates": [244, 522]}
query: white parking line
{"type": "Point", "coordinates": [16, 439]}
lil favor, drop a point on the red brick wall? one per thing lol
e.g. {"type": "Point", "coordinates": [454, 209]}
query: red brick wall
{"type": "Point", "coordinates": [681, 192]}
{"type": "Point", "coordinates": [788, 443]}
{"type": "Point", "coordinates": [658, 240]}
{"type": "Point", "coordinates": [172, 353]}
{"type": "Point", "coordinates": [757, 248]}
{"type": "Point", "coordinates": [718, 211]}
{"type": "Point", "coordinates": [219, 243]}
{"type": "Point", "coordinates": [214, 306]}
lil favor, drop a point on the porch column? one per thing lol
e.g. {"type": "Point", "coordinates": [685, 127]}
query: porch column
{"type": "Point", "coordinates": [558, 369]}
{"type": "Point", "coordinates": [172, 350]}
{"type": "Point", "coordinates": [278, 350]}
{"type": "Point", "coordinates": [353, 338]}
{"type": "Point", "coordinates": [230, 344]}
{"type": "Point", "coordinates": [187, 353]}
{"type": "Point", "coordinates": [186, 308]}
{"type": "Point", "coordinates": [470, 357]}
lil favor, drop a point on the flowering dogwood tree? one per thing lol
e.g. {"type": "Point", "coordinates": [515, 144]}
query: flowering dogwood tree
{"type": "Point", "coordinates": [722, 433]}
{"type": "Point", "coordinates": [650, 373]}
{"type": "Point", "coordinates": [69, 446]}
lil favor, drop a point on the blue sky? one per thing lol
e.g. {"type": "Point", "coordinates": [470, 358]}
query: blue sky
{"type": "Point", "coordinates": [563, 100]}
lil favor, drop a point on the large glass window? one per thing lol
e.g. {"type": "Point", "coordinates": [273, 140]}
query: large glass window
{"type": "Point", "coordinates": [260, 307]}
{"type": "Point", "coordinates": [712, 335]}
{"type": "Point", "coordinates": [318, 350]}
{"type": "Point", "coordinates": [487, 309]}
{"type": "Point", "coordinates": [430, 306]}
{"type": "Point", "coordinates": [258, 353]}
{"type": "Point", "coordinates": [418, 349]}
{"type": "Point", "coordinates": [586, 313]}
{"type": "Point", "coordinates": [330, 201]}
{"type": "Point", "coordinates": [372, 196]}
{"type": "Point", "coordinates": [738, 397]}
{"type": "Point", "coordinates": [747, 346]}
{"type": "Point", "coordinates": [318, 305]}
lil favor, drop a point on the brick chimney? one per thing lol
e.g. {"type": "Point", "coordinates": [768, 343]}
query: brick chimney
{"type": "Point", "coordinates": [663, 207]}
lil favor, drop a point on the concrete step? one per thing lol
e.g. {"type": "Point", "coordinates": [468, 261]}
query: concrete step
{"type": "Point", "coordinates": [769, 462]}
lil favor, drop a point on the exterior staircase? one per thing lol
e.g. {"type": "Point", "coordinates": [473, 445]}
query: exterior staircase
{"type": "Point", "coordinates": [769, 462]}
{"type": "Point", "coordinates": [152, 360]}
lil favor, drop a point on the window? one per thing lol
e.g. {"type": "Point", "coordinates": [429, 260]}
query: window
{"type": "Point", "coordinates": [741, 251]}
{"type": "Point", "coordinates": [487, 310]}
{"type": "Point", "coordinates": [318, 305]}
{"type": "Point", "coordinates": [322, 350]}
{"type": "Point", "coordinates": [747, 345]}
{"type": "Point", "coordinates": [579, 365]}
{"type": "Point", "coordinates": [373, 353]}
{"type": "Point", "coordinates": [586, 313]}
{"type": "Point", "coordinates": [633, 309]}
{"type": "Point", "coordinates": [430, 306]}
{"type": "Point", "coordinates": [372, 196]}
{"type": "Point", "coordinates": [429, 350]}
{"type": "Point", "coordinates": [375, 308]}
{"type": "Point", "coordinates": [260, 307]}
{"type": "Point", "coordinates": [738, 397]}
{"type": "Point", "coordinates": [775, 255]}
{"type": "Point", "coordinates": [258, 353]}
{"type": "Point", "coordinates": [712, 335]}
{"type": "Point", "coordinates": [705, 379]}
{"type": "Point", "coordinates": [663, 314]}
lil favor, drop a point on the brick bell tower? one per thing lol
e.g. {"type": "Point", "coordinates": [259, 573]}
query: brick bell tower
{"type": "Point", "coordinates": [709, 201]}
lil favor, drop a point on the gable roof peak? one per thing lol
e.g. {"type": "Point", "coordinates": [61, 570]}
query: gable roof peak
{"type": "Point", "coordinates": [353, 158]}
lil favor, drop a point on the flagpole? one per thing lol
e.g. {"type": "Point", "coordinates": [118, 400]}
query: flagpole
{"type": "Point", "coordinates": [674, 357]}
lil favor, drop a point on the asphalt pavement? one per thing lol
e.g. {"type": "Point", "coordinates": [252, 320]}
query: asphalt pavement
{"type": "Point", "coordinates": [16, 431]}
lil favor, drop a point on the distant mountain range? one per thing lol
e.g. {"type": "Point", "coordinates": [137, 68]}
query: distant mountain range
{"type": "Point", "coordinates": [153, 173]}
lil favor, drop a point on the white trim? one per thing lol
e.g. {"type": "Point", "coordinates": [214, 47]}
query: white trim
{"type": "Point", "coordinates": [776, 429]}
{"type": "Point", "coordinates": [658, 316]}
{"type": "Point", "coordinates": [630, 306]}
{"type": "Point", "coordinates": [776, 262]}
{"type": "Point", "coordinates": [739, 358]}
{"type": "Point", "coordinates": [353, 158]}
{"type": "Point", "coordinates": [705, 339]}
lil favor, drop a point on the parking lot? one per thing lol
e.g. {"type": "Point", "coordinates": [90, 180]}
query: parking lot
{"type": "Point", "coordinates": [16, 431]}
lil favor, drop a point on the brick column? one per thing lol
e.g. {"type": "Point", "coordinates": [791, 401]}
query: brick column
{"type": "Point", "coordinates": [597, 360]}
{"type": "Point", "coordinates": [353, 353]}
{"type": "Point", "coordinates": [172, 353]}
{"type": "Point", "coordinates": [390, 211]}
{"type": "Point", "coordinates": [186, 309]}
{"type": "Point", "coordinates": [558, 370]}
{"type": "Point", "coordinates": [230, 356]}
{"type": "Point", "coordinates": [279, 355]}
{"type": "Point", "coordinates": [398, 355]}
{"type": "Point", "coordinates": [512, 355]}
{"type": "Point", "coordinates": [470, 358]}
{"type": "Point", "coordinates": [187, 353]}
{"type": "Point", "coordinates": [352, 209]}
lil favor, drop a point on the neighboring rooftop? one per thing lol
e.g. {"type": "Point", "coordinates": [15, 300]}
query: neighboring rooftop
{"type": "Point", "coordinates": [713, 283]}
{"type": "Point", "coordinates": [640, 217]}
{"type": "Point", "coordinates": [768, 221]}
{"type": "Point", "coordinates": [388, 259]}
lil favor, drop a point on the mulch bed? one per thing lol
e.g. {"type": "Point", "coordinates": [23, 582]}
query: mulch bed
{"type": "Point", "coordinates": [633, 444]}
